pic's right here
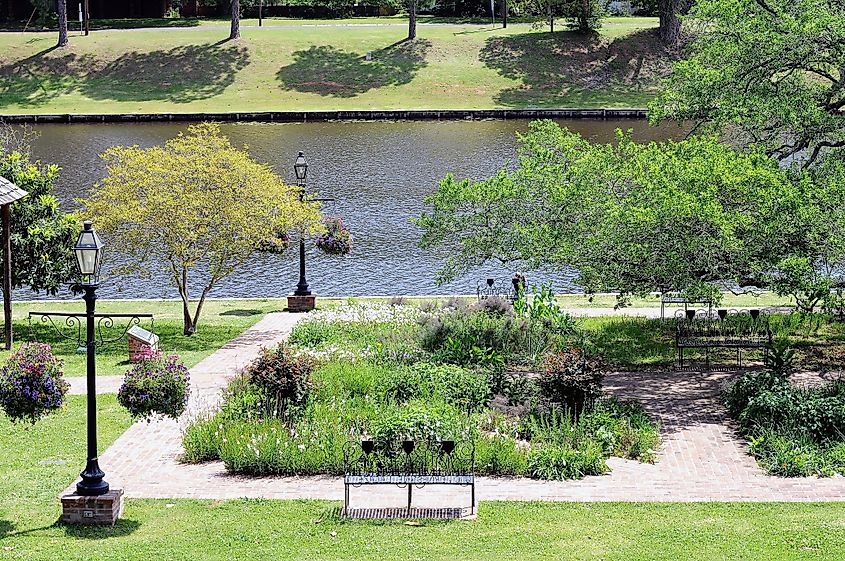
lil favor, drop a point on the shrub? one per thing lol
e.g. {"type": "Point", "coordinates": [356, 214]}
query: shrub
{"type": "Point", "coordinates": [786, 456]}
{"type": "Point", "coordinates": [32, 384]}
{"type": "Point", "coordinates": [562, 462]}
{"type": "Point", "coordinates": [283, 378]}
{"type": "Point", "coordinates": [572, 379]}
{"type": "Point", "coordinates": [201, 440]}
{"type": "Point", "coordinates": [155, 386]}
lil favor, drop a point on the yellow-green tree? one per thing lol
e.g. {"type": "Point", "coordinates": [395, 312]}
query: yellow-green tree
{"type": "Point", "coordinates": [198, 205]}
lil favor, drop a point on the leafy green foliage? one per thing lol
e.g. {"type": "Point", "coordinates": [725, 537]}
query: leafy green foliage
{"type": "Point", "coordinates": [282, 379]}
{"type": "Point", "coordinates": [463, 389]}
{"type": "Point", "coordinates": [769, 72]}
{"type": "Point", "coordinates": [632, 218]}
{"type": "Point", "coordinates": [42, 235]}
{"type": "Point", "coordinates": [571, 378]}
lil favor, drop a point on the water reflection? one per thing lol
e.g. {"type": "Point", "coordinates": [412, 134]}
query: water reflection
{"type": "Point", "coordinates": [377, 172]}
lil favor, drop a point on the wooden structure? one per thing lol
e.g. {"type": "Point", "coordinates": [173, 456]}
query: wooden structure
{"type": "Point", "coordinates": [9, 193]}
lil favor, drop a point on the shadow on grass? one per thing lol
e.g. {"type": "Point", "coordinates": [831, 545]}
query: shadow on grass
{"type": "Point", "coordinates": [565, 67]}
{"type": "Point", "coordinates": [182, 74]}
{"type": "Point", "coordinates": [122, 528]}
{"type": "Point", "coordinates": [329, 71]}
{"type": "Point", "coordinates": [242, 313]}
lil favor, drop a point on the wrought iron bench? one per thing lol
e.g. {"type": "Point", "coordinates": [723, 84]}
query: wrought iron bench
{"type": "Point", "coordinates": [409, 464]}
{"type": "Point", "coordinates": [726, 329]}
{"type": "Point", "coordinates": [490, 288]}
{"type": "Point", "coordinates": [675, 298]}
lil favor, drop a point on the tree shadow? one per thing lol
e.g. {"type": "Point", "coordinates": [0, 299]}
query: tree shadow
{"type": "Point", "coordinates": [179, 75]}
{"type": "Point", "coordinates": [242, 313]}
{"type": "Point", "coordinates": [564, 67]}
{"type": "Point", "coordinates": [328, 71]}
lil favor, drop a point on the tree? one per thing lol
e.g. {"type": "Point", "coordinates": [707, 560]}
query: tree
{"type": "Point", "coordinates": [61, 6]}
{"type": "Point", "coordinates": [235, 32]}
{"type": "Point", "coordinates": [42, 236]}
{"type": "Point", "coordinates": [629, 217]}
{"type": "Point", "coordinates": [670, 21]}
{"type": "Point", "coordinates": [412, 19]}
{"type": "Point", "coordinates": [767, 72]}
{"type": "Point", "coordinates": [197, 206]}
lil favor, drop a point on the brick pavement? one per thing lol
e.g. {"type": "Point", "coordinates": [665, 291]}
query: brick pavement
{"type": "Point", "coordinates": [701, 457]}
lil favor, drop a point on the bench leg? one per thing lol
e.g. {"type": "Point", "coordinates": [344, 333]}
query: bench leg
{"type": "Point", "coordinates": [472, 504]}
{"type": "Point", "coordinates": [345, 499]}
{"type": "Point", "coordinates": [410, 487]}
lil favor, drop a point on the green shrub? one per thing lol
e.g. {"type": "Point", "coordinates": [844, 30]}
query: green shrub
{"type": "Point", "coordinates": [571, 378]}
{"type": "Point", "coordinates": [419, 421]}
{"type": "Point", "coordinates": [786, 456]}
{"type": "Point", "coordinates": [283, 378]}
{"type": "Point", "coordinates": [556, 462]}
{"type": "Point", "coordinates": [201, 440]}
{"type": "Point", "coordinates": [497, 454]}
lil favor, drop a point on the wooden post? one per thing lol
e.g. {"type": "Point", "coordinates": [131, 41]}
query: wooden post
{"type": "Point", "coordinates": [7, 273]}
{"type": "Point", "coordinates": [85, 15]}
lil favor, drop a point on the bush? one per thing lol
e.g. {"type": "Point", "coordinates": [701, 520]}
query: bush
{"type": "Point", "coordinates": [786, 456]}
{"type": "Point", "coordinates": [419, 421]}
{"type": "Point", "coordinates": [283, 378]}
{"type": "Point", "coordinates": [155, 386]}
{"type": "Point", "coordinates": [571, 379]}
{"type": "Point", "coordinates": [32, 384]}
{"type": "Point", "coordinates": [201, 440]}
{"type": "Point", "coordinates": [558, 462]}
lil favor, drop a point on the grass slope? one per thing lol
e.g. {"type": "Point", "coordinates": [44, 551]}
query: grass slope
{"type": "Point", "coordinates": [460, 66]}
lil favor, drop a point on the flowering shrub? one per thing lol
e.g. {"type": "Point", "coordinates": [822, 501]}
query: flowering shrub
{"type": "Point", "coordinates": [31, 383]}
{"type": "Point", "coordinates": [277, 244]}
{"type": "Point", "coordinates": [337, 240]}
{"type": "Point", "coordinates": [571, 378]}
{"type": "Point", "coordinates": [155, 386]}
{"type": "Point", "coordinates": [283, 378]}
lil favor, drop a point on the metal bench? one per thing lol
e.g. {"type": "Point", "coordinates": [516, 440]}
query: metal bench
{"type": "Point", "coordinates": [726, 329]}
{"type": "Point", "coordinates": [409, 464]}
{"type": "Point", "coordinates": [675, 298]}
{"type": "Point", "coordinates": [506, 290]}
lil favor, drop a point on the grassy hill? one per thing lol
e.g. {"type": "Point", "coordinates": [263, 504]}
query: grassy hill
{"type": "Point", "coordinates": [321, 68]}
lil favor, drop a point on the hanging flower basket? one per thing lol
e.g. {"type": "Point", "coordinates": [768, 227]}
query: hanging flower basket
{"type": "Point", "coordinates": [32, 384]}
{"type": "Point", "coordinates": [155, 386]}
{"type": "Point", "coordinates": [337, 240]}
{"type": "Point", "coordinates": [277, 244]}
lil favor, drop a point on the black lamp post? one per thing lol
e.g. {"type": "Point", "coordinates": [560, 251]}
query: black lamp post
{"type": "Point", "coordinates": [300, 168]}
{"type": "Point", "coordinates": [89, 251]}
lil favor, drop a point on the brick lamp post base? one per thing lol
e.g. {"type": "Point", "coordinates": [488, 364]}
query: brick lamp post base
{"type": "Point", "coordinates": [102, 510]}
{"type": "Point", "coordinates": [297, 304]}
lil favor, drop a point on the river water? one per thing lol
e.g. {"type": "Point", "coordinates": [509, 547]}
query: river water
{"type": "Point", "coordinates": [377, 172]}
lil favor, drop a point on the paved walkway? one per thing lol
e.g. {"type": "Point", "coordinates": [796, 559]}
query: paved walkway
{"type": "Point", "coordinates": [701, 458]}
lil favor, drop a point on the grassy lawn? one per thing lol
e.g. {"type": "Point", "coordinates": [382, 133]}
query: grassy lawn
{"type": "Point", "coordinates": [220, 322]}
{"type": "Point", "coordinates": [263, 529]}
{"type": "Point", "coordinates": [459, 66]}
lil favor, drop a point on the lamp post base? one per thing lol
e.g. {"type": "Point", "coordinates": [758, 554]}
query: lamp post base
{"type": "Point", "coordinates": [297, 303]}
{"type": "Point", "coordinates": [100, 510]}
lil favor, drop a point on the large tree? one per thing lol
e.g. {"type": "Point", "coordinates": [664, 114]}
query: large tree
{"type": "Point", "coordinates": [630, 217]}
{"type": "Point", "coordinates": [196, 206]}
{"type": "Point", "coordinates": [766, 72]}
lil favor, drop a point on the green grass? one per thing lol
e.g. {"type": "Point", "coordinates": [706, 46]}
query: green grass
{"type": "Point", "coordinates": [220, 322]}
{"type": "Point", "coordinates": [262, 529]}
{"type": "Point", "coordinates": [461, 66]}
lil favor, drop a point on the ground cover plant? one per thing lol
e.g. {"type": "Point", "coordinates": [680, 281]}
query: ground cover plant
{"type": "Point", "coordinates": [513, 384]}
{"type": "Point", "coordinates": [793, 430]}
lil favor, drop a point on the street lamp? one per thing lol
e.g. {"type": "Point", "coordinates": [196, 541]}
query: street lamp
{"type": "Point", "coordinates": [89, 253]}
{"type": "Point", "coordinates": [300, 169]}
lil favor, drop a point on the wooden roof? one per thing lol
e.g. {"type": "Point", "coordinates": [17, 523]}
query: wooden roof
{"type": "Point", "coordinates": [9, 192]}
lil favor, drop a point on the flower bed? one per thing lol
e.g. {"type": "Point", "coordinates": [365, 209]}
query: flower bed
{"type": "Point", "coordinates": [397, 372]}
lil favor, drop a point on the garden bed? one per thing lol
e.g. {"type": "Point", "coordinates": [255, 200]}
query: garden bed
{"type": "Point", "coordinates": [517, 383]}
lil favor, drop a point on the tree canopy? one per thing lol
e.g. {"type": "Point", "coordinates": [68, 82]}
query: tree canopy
{"type": "Point", "coordinates": [630, 217]}
{"type": "Point", "coordinates": [767, 72]}
{"type": "Point", "coordinates": [197, 206]}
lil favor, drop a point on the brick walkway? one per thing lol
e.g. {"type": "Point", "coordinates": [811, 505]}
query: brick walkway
{"type": "Point", "coordinates": [701, 458]}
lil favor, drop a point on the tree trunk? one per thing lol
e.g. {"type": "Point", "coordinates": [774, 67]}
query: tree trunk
{"type": "Point", "coordinates": [412, 20]}
{"type": "Point", "coordinates": [551, 19]}
{"type": "Point", "coordinates": [504, 14]}
{"type": "Point", "coordinates": [670, 23]}
{"type": "Point", "coordinates": [235, 33]}
{"type": "Point", "coordinates": [62, 9]}
{"type": "Point", "coordinates": [584, 17]}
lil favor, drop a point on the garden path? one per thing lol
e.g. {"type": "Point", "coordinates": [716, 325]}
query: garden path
{"type": "Point", "coordinates": [701, 458]}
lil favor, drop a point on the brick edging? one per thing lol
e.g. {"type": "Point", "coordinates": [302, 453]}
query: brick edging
{"type": "Point", "coordinates": [345, 115]}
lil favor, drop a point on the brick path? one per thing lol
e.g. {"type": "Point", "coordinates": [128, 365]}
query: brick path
{"type": "Point", "coordinates": [701, 458]}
